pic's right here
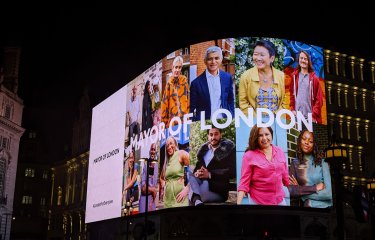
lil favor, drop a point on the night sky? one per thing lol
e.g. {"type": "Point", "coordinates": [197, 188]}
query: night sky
{"type": "Point", "coordinates": [104, 47]}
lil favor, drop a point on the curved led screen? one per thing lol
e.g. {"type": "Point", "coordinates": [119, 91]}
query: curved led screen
{"type": "Point", "coordinates": [227, 121]}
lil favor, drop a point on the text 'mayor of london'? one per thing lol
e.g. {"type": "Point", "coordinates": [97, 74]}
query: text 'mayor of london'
{"type": "Point", "coordinates": [264, 118]}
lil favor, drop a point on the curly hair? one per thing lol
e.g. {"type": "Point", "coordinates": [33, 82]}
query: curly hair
{"type": "Point", "coordinates": [316, 153]}
{"type": "Point", "coordinates": [167, 157]}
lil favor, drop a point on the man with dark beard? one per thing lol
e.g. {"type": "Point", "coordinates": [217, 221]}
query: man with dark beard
{"type": "Point", "coordinates": [209, 181]}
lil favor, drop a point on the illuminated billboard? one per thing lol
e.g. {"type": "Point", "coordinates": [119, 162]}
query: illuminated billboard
{"type": "Point", "coordinates": [228, 121]}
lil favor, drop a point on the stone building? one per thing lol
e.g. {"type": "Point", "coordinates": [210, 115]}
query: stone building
{"type": "Point", "coordinates": [350, 94]}
{"type": "Point", "coordinates": [11, 109]}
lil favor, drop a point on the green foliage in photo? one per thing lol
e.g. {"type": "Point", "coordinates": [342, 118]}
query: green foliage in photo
{"type": "Point", "coordinates": [198, 137]}
{"type": "Point", "coordinates": [244, 54]}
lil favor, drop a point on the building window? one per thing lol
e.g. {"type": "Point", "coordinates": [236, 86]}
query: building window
{"type": "Point", "coordinates": [7, 111]}
{"type": "Point", "coordinates": [185, 51]}
{"type": "Point", "coordinates": [27, 200]}
{"type": "Point", "coordinates": [355, 99]}
{"type": "Point", "coordinates": [185, 71]}
{"type": "Point", "coordinates": [357, 124]}
{"type": "Point", "coordinates": [42, 201]}
{"type": "Point", "coordinates": [29, 172]}
{"type": "Point", "coordinates": [329, 94]}
{"type": "Point", "coordinates": [171, 55]}
{"type": "Point", "coordinates": [45, 174]}
{"type": "Point", "coordinates": [348, 128]}
{"type": "Point", "coordinates": [59, 196]}
{"type": "Point", "coordinates": [366, 132]}
{"type": "Point", "coordinates": [364, 101]}
{"type": "Point", "coordinates": [32, 134]}
{"type": "Point", "coordinates": [341, 131]}
{"type": "Point", "coordinates": [346, 97]}
{"type": "Point", "coordinates": [4, 142]}
{"type": "Point", "coordinates": [339, 97]}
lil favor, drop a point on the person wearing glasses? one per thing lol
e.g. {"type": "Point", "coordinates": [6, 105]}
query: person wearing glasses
{"type": "Point", "coordinates": [213, 89]}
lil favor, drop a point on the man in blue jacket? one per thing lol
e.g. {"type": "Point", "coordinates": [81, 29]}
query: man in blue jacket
{"type": "Point", "coordinates": [213, 89]}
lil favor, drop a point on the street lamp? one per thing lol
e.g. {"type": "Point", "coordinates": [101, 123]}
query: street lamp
{"type": "Point", "coordinates": [150, 168]}
{"type": "Point", "coordinates": [336, 156]}
{"type": "Point", "coordinates": [128, 208]}
{"type": "Point", "coordinates": [148, 162]}
{"type": "Point", "coordinates": [128, 211]}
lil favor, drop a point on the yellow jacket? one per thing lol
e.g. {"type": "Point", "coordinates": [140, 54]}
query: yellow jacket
{"type": "Point", "coordinates": [249, 87]}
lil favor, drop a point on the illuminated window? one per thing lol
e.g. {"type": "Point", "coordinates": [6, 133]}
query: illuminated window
{"type": "Point", "coordinates": [341, 132]}
{"type": "Point", "coordinates": [348, 128]}
{"type": "Point", "coordinates": [42, 201]}
{"type": "Point", "coordinates": [59, 196]}
{"type": "Point", "coordinates": [355, 99]}
{"type": "Point", "coordinates": [329, 94]}
{"type": "Point", "coordinates": [45, 174]}
{"type": "Point", "coordinates": [364, 101]}
{"type": "Point", "coordinates": [32, 134]}
{"type": "Point", "coordinates": [339, 97]}
{"type": "Point", "coordinates": [357, 128]}
{"type": "Point", "coordinates": [346, 97]}
{"type": "Point", "coordinates": [27, 200]}
{"type": "Point", "coordinates": [29, 172]}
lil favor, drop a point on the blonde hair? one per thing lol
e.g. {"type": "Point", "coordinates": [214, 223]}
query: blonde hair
{"type": "Point", "coordinates": [178, 59]}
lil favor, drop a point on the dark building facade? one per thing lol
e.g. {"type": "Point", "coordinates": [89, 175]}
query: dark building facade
{"type": "Point", "coordinates": [11, 109]}
{"type": "Point", "coordinates": [350, 94]}
{"type": "Point", "coordinates": [31, 198]}
{"type": "Point", "coordinates": [66, 216]}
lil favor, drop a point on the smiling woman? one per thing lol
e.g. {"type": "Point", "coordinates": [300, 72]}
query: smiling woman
{"type": "Point", "coordinates": [176, 95]}
{"type": "Point", "coordinates": [172, 177]}
{"type": "Point", "coordinates": [263, 171]}
{"type": "Point", "coordinates": [310, 179]}
{"type": "Point", "coordinates": [262, 86]}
